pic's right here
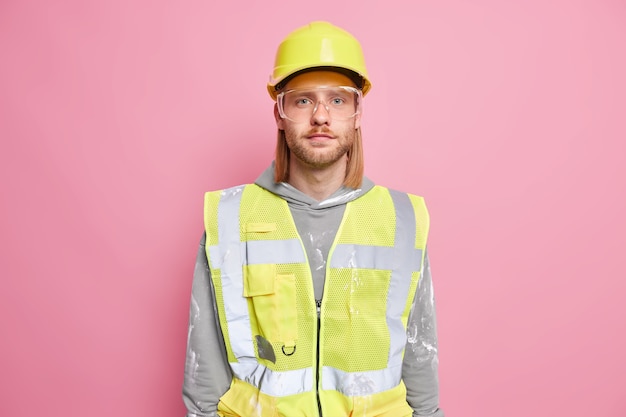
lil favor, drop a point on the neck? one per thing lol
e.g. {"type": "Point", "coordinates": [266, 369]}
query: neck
{"type": "Point", "coordinates": [317, 183]}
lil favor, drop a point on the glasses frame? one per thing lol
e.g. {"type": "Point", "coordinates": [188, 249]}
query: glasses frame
{"type": "Point", "coordinates": [280, 102]}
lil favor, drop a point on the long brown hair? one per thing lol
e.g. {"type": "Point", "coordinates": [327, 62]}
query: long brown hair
{"type": "Point", "coordinates": [354, 169]}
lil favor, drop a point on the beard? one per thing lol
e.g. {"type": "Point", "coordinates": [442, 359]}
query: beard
{"type": "Point", "coordinates": [319, 155]}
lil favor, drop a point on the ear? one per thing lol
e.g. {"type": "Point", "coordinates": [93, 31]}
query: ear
{"type": "Point", "coordinates": [279, 120]}
{"type": "Point", "coordinates": [357, 119]}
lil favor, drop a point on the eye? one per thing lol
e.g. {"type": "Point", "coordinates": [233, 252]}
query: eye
{"type": "Point", "coordinates": [338, 101]}
{"type": "Point", "coordinates": [303, 101]}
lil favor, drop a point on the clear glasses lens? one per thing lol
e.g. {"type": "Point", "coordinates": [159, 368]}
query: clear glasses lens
{"type": "Point", "coordinates": [341, 103]}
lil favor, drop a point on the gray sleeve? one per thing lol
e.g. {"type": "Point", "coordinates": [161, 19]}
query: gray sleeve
{"type": "Point", "coordinates": [421, 361]}
{"type": "Point", "coordinates": [207, 374]}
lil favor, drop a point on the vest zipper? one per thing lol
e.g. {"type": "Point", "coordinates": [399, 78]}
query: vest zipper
{"type": "Point", "coordinates": [318, 303]}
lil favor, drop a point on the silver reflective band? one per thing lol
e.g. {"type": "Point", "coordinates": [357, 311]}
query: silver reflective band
{"type": "Point", "coordinates": [299, 105]}
{"type": "Point", "coordinates": [372, 257]}
{"type": "Point", "coordinates": [274, 251]}
{"type": "Point", "coordinates": [274, 383]}
{"type": "Point", "coordinates": [227, 257]}
{"type": "Point", "coordinates": [360, 383]}
{"type": "Point", "coordinates": [406, 261]}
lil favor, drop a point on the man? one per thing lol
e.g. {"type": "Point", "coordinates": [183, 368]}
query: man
{"type": "Point", "coordinates": [312, 293]}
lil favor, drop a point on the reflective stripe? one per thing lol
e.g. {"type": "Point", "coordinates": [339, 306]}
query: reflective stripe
{"type": "Point", "coordinates": [360, 383]}
{"type": "Point", "coordinates": [402, 260]}
{"type": "Point", "coordinates": [274, 251]}
{"type": "Point", "coordinates": [371, 257]}
{"type": "Point", "coordinates": [401, 274]}
{"type": "Point", "coordinates": [228, 256]}
{"type": "Point", "coordinates": [274, 383]}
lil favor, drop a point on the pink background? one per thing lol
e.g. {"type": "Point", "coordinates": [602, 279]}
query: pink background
{"type": "Point", "coordinates": [508, 116]}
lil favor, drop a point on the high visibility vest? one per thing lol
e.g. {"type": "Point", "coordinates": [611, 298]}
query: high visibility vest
{"type": "Point", "coordinates": [285, 361]}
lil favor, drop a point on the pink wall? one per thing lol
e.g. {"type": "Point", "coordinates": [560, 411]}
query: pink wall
{"type": "Point", "coordinates": [509, 117]}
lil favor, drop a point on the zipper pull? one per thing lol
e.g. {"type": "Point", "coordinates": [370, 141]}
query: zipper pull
{"type": "Point", "coordinates": [318, 303]}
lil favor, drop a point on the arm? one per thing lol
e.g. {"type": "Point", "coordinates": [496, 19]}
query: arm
{"type": "Point", "coordinates": [421, 361]}
{"type": "Point", "coordinates": [207, 374]}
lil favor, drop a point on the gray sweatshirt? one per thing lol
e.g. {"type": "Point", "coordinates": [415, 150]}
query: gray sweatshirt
{"type": "Point", "coordinates": [207, 373]}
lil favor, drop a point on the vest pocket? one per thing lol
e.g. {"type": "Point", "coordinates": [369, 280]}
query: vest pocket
{"type": "Point", "coordinates": [272, 303]}
{"type": "Point", "coordinates": [259, 280]}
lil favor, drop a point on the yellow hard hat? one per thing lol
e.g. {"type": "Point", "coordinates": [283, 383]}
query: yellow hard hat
{"type": "Point", "coordinates": [318, 44]}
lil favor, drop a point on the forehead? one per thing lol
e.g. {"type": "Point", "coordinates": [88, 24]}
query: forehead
{"type": "Point", "coordinates": [314, 79]}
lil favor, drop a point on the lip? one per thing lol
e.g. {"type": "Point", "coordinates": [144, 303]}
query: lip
{"type": "Point", "coordinates": [319, 135]}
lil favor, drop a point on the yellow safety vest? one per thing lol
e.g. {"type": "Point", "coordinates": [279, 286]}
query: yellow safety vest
{"type": "Point", "coordinates": [286, 362]}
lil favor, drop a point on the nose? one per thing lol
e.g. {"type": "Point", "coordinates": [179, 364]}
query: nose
{"type": "Point", "coordinates": [321, 115]}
